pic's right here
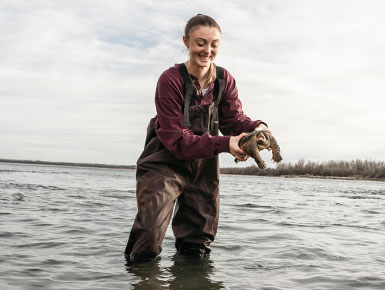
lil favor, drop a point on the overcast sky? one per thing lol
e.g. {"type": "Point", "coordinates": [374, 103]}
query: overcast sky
{"type": "Point", "coordinates": [77, 78]}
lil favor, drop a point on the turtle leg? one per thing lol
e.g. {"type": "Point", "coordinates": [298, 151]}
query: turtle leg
{"type": "Point", "coordinates": [276, 151]}
{"type": "Point", "coordinates": [259, 160]}
{"type": "Point", "coordinates": [236, 160]}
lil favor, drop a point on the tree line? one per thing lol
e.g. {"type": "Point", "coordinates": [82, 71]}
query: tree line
{"type": "Point", "coordinates": [333, 168]}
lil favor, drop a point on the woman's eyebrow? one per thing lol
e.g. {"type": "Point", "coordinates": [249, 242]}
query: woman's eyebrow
{"type": "Point", "coordinates": [199, 38]}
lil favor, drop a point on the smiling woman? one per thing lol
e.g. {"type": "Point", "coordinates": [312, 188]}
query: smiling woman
{"type": "Point", "coordinates": [202, 41]}
{"type": "Point", "coordinates": [194, 101]}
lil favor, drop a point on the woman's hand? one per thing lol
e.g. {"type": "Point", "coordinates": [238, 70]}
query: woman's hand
{"type": "Point", "coordinates": [234, 148]}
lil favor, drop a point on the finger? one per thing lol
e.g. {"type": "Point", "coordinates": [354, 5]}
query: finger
{"type": "Point", "coordinates": [242, 157]}
{"type": "Point", "coordinates": [240, 136]}
{"type": "Point", "coordinates": [243, 160]}
{"type": "Point", "coordinates": [239, 151]}
{"type": "Point", "coordinates": [239, 158]}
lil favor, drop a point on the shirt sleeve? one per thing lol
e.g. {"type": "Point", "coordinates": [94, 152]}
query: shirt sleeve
{"type": "Point", "coordinates": [232, 120]}
{"type": "Point", "coordinates": [180, 141]}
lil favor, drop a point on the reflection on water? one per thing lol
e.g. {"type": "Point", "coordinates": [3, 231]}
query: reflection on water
{"type": "Point", "coordinates": [184, 273]}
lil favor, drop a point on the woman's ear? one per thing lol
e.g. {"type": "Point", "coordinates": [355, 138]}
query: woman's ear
{"type": "Point", "coordinates": [185, 41]}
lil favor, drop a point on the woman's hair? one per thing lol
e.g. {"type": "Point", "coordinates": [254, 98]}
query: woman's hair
{"type": "Point", "coordinates": [202, 20]}
{"type": "Point", "coordinates": [199, 20]}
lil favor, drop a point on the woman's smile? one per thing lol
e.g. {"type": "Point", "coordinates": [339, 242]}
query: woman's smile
{"type": "Point", "coordinates": [204, 58]}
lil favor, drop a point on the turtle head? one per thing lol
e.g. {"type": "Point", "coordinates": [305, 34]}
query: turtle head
{"type": "Point", "coordinates": [263, 139]}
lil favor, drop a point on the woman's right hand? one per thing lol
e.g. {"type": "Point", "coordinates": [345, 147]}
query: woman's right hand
{"type": "Point", "coordinates": [234, 148]}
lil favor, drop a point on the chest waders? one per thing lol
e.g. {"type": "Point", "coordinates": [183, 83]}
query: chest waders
{"type": "Point", "coordinates": [162, 180]}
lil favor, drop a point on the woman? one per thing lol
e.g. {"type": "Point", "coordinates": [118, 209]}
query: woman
{"type": "Point", "coordinates": [179, 163]}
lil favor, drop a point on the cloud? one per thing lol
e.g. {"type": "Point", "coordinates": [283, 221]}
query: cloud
{"type": "Point", "coordinates": [77, 79]}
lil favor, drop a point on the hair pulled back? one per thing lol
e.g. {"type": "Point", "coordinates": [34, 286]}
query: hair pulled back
{"type": "Point", "coordinates": [194, 22]}
{"type": "Point", "coordinates": [199, 20]}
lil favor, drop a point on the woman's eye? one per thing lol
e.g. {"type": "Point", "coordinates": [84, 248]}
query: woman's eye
{"type": "Point", "coordinates": [201, 44]}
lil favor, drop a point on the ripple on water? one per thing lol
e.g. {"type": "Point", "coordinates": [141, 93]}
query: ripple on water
{"type": "Point", "coordinates": [308, 253]}
{"type": "Point", "coordinates": [41, 245]}
{"type": "Point", "coordinates": [31, 186]}
{"type": "Point", "coordinates": [370, 211]}
{"type": "Point", "coordinates": [253, 205]}
{"type": "Point", "coordinates": [362, 197]}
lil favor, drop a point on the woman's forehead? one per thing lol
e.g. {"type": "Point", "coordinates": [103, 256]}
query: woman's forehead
{"type": "Point", "coordinates": [205, 32]}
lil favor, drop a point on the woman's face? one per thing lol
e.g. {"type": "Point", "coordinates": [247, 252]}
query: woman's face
{"type": "Point", "coordinates": [203, 45]}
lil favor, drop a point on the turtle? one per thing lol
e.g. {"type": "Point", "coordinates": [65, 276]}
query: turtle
{"type": "Point", "coordinates": [256, 141]}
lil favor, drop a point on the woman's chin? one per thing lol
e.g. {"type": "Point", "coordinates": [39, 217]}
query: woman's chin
{"type": "Point", "coordinates": [201, 64]}
{"type": "Point", "coordinates": [204, 64]}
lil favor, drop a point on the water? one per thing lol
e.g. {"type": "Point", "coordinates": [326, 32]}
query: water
{"type": "Point", "coordinates": [67, 227]}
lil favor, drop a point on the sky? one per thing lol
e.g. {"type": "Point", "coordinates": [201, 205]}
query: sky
{"type": "Point", "coordinates": [78, 77]}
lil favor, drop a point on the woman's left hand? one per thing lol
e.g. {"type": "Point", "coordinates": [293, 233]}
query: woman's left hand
{"type": "Point", "coordinates": [234, 148]}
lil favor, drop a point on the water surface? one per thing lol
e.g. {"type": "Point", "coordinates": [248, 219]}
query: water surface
{"type": "Point", "coordinates": [66, 228]}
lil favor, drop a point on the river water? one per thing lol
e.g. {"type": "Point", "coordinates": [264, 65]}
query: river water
{"type": "Point", "coordinates": [67, 227]}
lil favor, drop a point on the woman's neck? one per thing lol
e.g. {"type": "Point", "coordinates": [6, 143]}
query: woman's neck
{"type": "Point", "coordinates": [197, 71]}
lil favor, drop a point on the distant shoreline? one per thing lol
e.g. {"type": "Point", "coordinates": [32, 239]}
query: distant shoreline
{"type": "Point", "coordinates": [231, 171]}
{"type": "Point", "coordinates": [312, 176]}
{"type": "Point", "coordinates": [72, 164]}
{"type": "Point", "coordinates": [334, 177]}
{"type": "Point", "coordinates": [333, 169]}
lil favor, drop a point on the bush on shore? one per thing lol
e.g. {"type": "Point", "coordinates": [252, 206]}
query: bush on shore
{"type": "Point", "coordinates": [339, 168]}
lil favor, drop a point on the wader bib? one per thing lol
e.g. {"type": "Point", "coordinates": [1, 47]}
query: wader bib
{"type": "Point", "coordinates": [162, 180]}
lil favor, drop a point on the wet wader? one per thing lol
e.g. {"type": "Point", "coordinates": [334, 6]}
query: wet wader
{"type": "Point", "coordinates": [162, 180]}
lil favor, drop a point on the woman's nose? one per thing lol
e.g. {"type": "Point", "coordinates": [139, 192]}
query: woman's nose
{"type": "Point", "coordinates": [207, 49]}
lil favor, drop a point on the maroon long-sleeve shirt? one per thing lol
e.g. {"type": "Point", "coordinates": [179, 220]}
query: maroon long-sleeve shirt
{"type": "Point", "coordinates": [181, 141]}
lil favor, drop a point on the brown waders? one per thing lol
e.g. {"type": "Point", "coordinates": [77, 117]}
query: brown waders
{"type": "Point", "coordinates": [162, 180]}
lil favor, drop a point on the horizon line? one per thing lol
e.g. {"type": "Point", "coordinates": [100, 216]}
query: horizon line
{"type": "Point", "coordinates": [63, 163]}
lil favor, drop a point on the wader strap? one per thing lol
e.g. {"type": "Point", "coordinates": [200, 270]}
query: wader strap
{"type": "Point", "coordinates": [189, 98]}
{"type": "Point", "coordinates": [190, 94]}
{"type": "Point", "coordinates": [218, 91]}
